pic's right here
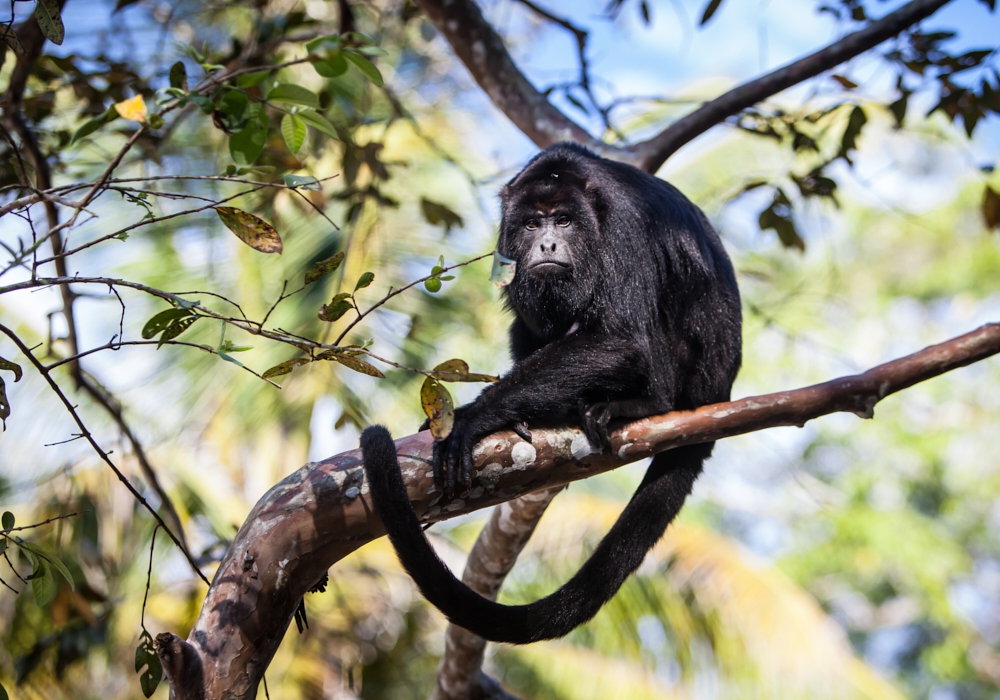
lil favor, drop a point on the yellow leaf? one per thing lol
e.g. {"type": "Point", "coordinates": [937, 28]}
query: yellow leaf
{"type": "Point", "coordinates": [255, 232]}
{"type": "Point", "coordinates": [437, 404]}
{"type": "Point", "coordinates": [133, 109]}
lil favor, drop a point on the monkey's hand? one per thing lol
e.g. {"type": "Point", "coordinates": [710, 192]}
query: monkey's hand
{"type": "Point", "coordinates": [453, 454]}
{"type": "Point", "coordinates": [594, 419]}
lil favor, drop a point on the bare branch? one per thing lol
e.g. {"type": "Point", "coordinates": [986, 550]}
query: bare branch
{"type": "Point", "coordinates": [321, 513]}
{"type": "Point", "coordinates": [653, 153]}
{"type": "Point", "coordinates": [26, 351]}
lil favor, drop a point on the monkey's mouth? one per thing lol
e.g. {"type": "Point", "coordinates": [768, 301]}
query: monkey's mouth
{"type": "Point", "coordinates": [551, 266]}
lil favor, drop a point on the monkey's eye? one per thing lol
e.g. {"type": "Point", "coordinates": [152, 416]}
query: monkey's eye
{"type": "Point", "coordinates": [531, 224]}
{"type": "Point", "coordinates": [563, 221]}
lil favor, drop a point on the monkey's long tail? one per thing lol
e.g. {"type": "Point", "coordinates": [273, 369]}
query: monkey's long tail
{"type": "Point", "coordinates": [656, 502]}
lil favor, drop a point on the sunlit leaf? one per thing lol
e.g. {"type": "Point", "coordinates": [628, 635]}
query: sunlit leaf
{"type": "Point", "coordinates": [366, 67]}
{"type": "Point", "coordinates": [339, 306]}
{"type": "Point", "coordinates": [252, 230]}
{"type": "Point", "coordinates": [503, 271]}
{"type": "Point", "coordinates": [323, 267]}
{"type": "Point", "coordinates": [293, 95]}
{"type": "Point", "coordinates": [293, 130]}
{"type": "Point", "coordinates": [439, 407]}
{"type": "Point", "coordinates": [133, 109]}
{"type": "Point", "coordinates": [49, 21]}
{"type": "Point", "coordinates": [365, 280]}
{"type": "Point", "coordinates": [318, 122]}
{"type": "Point", "coordinates": [325, 43]}
{"type": "Point", "coordinates": [355, 363]}
{"type": "Point", "coordinates": [286, 367]}
{"type": "Point", "coordinates": [303, 182]}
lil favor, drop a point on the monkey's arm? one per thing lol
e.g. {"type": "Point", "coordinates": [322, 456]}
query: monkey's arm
{"type": "Point", "coordinates": [555, 382]}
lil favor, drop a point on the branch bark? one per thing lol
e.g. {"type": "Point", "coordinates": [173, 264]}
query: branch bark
{"type": "Point", "coordinates": [482, 50]}
{"type": "Point", "coordinates": [316, 516]}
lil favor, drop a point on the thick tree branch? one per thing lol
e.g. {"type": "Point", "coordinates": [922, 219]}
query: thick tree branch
{"type": "Point", "coordinates": [321, 513]}
{"type": "Point", "coordinates": [653, 153]}
{"type": "Point", "coordinates": [459, 676]}
{"type": "Point", "coordinates": [482, 51]}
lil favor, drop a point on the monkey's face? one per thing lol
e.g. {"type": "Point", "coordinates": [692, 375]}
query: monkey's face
{"type": "Point", "coordinates": [550, 229]}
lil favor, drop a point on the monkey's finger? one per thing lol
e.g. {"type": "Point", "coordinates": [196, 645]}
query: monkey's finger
{"type": "Point", "coordinates": [437, 460]}
{"type": "Point", "coordinates": [451, 468]}
{"type": "Point", "coordinates": [467, 467]}
{"type": "Point", "coordinates": [521, 430]}
{"type": "Point", "coordinates": [602, 424]}
{"type": "Point", "coordinates": [426, 425]}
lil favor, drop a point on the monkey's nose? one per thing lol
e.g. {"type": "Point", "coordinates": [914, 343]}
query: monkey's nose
{"type": "Point", "coordinates": [550, 249]}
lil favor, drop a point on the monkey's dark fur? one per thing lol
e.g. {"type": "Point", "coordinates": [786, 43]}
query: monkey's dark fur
{"type": "Point", "coordinates": [626, 306]}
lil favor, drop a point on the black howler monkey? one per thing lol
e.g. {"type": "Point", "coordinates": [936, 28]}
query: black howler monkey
{"type": "Point", "coordinates": [626, 306]}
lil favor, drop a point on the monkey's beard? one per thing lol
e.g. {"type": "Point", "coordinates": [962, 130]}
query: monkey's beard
{"type": "Point", "coordinates": [548, 305]}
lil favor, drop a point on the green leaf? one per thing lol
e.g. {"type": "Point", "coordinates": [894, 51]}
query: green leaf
{"type": "Point", "coordinates": [234, 113]}
{"type": "Point", "coordinates": [303, 182]}
{"type": "Point", "coordinates": [323, 267]}
{"type": "Point", "coordinates": [778, 216]}
{"type": "Point", "coordinates": [372, 51]}
{"type": "Point", "coordinates": [50, 558]}
{"type": "Point", "coordinates": [252, 79]}
{"type": "Point", "coordinates": [339, 306]}
{"type": "Point", "coordinates": [439, 407]}
{"type": "Point", "coordinates": [318, 122]}
{"type": "Point", "coordinates": [7, 520]}
{"type": "Point", "coordinates": [246, 146]}
{"type": "Point", "coordinates": [328, 42]}
{"type": "Point", "coordinates": [293, 130]}
{"type": "Point", "coordinates": [42, 584]}
{"type": "Point", "coordinates": [503, 271]}
{"type": "Point", "coordinates": [146, 657]}
{"type": "Point", "coordinates": [49, 21]}
{"type": "Point", "coordinates": [366, 67]}
{"type": "Point", "coordinates": [178, 76]}
{"type": "Point", "coordinates": [96, 123]}
{"type": "Point", "coordinates": [293, 95]}
{"type": "Point", "coordinates": [175, 329]}
{"type": "Point", "coordinates": [3, 693]}
{"type": "Point", "coordinates": [710, 9]}
{"type": "Point", "coordinates": [438, 214]}
{"type": "Point", "coordinates": [11, 367]}
{"type": "Point", "coordinates": [252, 230]}
{"type": "Point", "coordinates": [205, 104]}
{"type": "Point", "coordinates": [365, 280]}
{"type": "Point", "coordinates": [849, 141]}
{"type": "Point", "coordinates": [433, 284]}
{"type": "Point", "coordinates": [286, 367]}
{"type": "Point", "coordinates": [10, 38]}
{"type": "Point", "coordinates": [331, 67]}
{"type": "Point", "coordinates": [160, 321]}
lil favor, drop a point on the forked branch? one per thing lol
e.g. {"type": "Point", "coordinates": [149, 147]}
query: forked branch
{"type": "Point", "coordinates": [321, 513]}
{"type": "Point", "coordinates": [481, 49]}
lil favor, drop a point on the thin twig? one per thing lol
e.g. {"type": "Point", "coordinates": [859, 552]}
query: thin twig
{"type": "Point", "coordinates": [44, 522]}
